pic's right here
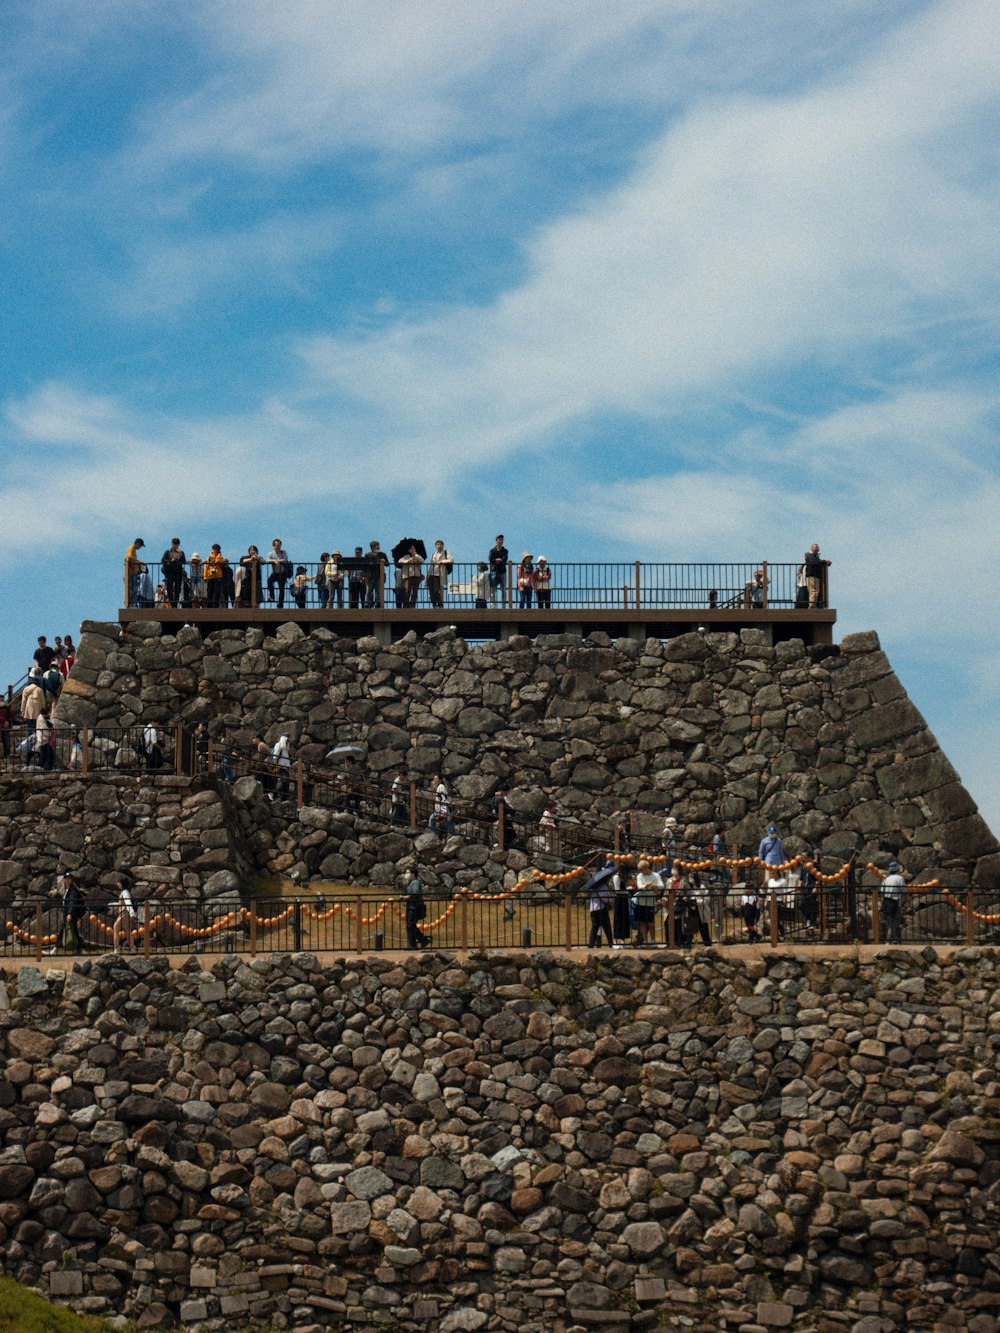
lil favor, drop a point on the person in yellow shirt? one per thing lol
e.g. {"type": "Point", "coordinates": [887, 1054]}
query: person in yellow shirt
{"type": "Point", "coordinates": [134, 570]}
{"type": "Point", "coordinates": [213, 575]}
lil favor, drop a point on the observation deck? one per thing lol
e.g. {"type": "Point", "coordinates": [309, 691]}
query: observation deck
{"type": "Point", "coordinates": [636, 600]}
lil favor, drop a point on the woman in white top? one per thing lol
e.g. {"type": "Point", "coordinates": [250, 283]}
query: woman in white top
{"type": "Point", "coordinates": [648, 891]}
{"type": "Point", "coordinates": [124, 917]}
{"type": "Point", "coordinates": [437, 573]}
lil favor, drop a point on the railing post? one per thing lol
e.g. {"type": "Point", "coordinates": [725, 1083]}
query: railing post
{"type": "Point", "coordinates": [463, 922]}
{"type": "Point", "coordinates": [126, 602]}
{"type": "Point", "coordinates": [876, 919]}
{"type": "Point", "coordinates": [970, 924]}
{"type": "Point", "coordinates": [253, 928]}
{"type": "Point", "coordinates": [413, 807]}
{"type": "Point", "coordinates": [38, 933]}
{"type": "Point", "coordinates": [85, 751]}
{"type": "Point", "coordinates": [510, 586]}
{"type": "Point", "coordinates": [568, 922]}
{"type": "Point", "coordinates": [359, 927]}
{"type": "Point", "coordinates": [210, 755]}
{"type": "Point", "coordinates": [763, 565]}
{"type": "Point", "coordinates": [145, 929]}
{"type": "Point", "coordinates": [297, 927]}
{"type": "Point", "coordinates": [624, 596]}
{"type": "Point", "coordinates": [672, 918]}
{"type": "Point", "coordinates": [773, 913]}
{"type": "Point", "coordinates": [179, 749]}
{"type": "Point", "coordinates": [618, 840]}
{"type": "Point", "coordinates": [637, 585]}
{"type": "Point", "coordinates": [298, 782]}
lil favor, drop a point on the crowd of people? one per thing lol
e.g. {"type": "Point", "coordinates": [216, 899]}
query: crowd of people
{"type": "Point", "coordinates": [360, 579]}
{"type": "Point", "coordinates": [32, 709]}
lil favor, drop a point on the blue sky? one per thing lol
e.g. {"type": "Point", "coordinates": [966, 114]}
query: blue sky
{"type": "Point", "coordinates": [659, 279]}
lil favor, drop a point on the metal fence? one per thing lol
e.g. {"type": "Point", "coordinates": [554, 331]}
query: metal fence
{"type": "Point", "coordinates": [29, 749]}
{"type": "Point", "coordinates": [623, 585]}
{"type": "Point", "coordinates": [528, 916]}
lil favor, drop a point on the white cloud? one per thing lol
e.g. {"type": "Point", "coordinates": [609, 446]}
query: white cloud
{"type": "Point", "coordinates": [405, 75]}
{"type": "Point", "coordinates": [755, 235]}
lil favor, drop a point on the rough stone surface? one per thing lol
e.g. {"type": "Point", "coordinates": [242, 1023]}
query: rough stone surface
{"type": "Point", "coordinates": [244, 1145]}
{"type": "Point", "coordinates": [716, 729]}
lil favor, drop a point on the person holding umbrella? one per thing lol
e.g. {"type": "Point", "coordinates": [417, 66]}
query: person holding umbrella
{"type": "Point", "coordinates": [598, 890]}
{"type": "Point", "coordinates": [409, 554]}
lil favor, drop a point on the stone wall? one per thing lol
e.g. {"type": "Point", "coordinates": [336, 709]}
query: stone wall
{"type": "Point", "coordinates": [509, 1143]}
{"type": "Point", "coordinates": [209, 841]}
{"type": "Point", "coordinates": [712, 728]}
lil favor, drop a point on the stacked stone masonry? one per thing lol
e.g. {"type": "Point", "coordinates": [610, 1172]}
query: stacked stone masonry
{"type": "Point", "coordinates": [712, 728]}
{"type": "Point", "coordinates": [509, 1143]}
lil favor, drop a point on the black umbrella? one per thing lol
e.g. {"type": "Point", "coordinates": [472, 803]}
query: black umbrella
{"type": "Point", "coordinates": [602, 876]}
{"type": "Point", "coordinates": [403, 548]}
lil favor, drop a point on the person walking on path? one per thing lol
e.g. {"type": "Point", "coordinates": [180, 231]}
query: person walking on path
{"type": "Point", "coordinates": [124, 917]}
{"type": "Point", "coordinates": [416, 911]}
{"type": "Point", "coordinates": [74, 904]}
{"type": "Point", "coordinates": [892, 892]}
{"type": "Point", "coordinates": [771, 851]}
{"type": "Point", "coordinates": [648, 892]}
{"type": "Point", "coordinates": [281, 762]}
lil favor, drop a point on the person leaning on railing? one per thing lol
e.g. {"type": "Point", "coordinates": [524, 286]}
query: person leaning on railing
{"type": "Point", "coordinates": [134, 570]}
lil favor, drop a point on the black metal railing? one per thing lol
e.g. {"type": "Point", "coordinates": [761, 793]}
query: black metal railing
{"type": "Point", "coordinates": [569, 585]}
{"type": "Point", "coordinates": [530, 915]}
{"type": "Point", "coordinates": [31, 749]}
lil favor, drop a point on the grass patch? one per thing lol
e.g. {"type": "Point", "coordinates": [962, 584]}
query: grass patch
{"type": "Point", "coordinates": [24, 1311]}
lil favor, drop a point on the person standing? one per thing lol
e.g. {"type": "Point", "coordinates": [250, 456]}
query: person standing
{"type": "Point", "coordinates": [416, 911]}
{"type": "Point", "coordinates": [543, 584]}
{"type": "Point", "coordinates": [771, 851]}
{"type": "Point", "coordinates": [196, 581]}
{"type": "Point", "coordinates": [281, 762]}
{"type": "Point", "coordinates": [251, 591]}
{"type": "Point", "coordinates": [497, 561]}
{"type": "Point", "coordinates": [334, 574]}
{"type": "Point", "coordinates": [74, 904]}
{"type": "Point", "coordinates": [808, 885]}
{"type": "Point", "coordinates": [124, 917]}
{"type": "Point", "coordinates": [481, 585]}
{"type": "Point", "coordinates": [411, 565]}
{"type": "Point", "coordinates": [43, 656]}
{"type": "Point", "coordinates": [45, 741]}
{"type": "Point", "coordinates": [134, 570]}
{"type": "Point", "coordinates": [356, 580]}
{"type": "Point", "coordinates": [172, 567]}
{"type": "Point", "coordinates": [599, 899]}
{"type": "Point", "coordinates": [816, 567]}
{"type": "Point", "coordinates": [893, 891]}
{"type": "Point", "coordinates": [525, 581]}
{"type": "Point", "coordinates": [648, 892]}
{"type": "Point", "coordinates": [281, 569]}
{"type": "Point", "coordinates": [376, 564]}
{"type": "Point", "coordinates": [6, 726]}
{"type": "Point", "coordinates": [399, 798]}
{"type": "Point", "coordinates": [152, 747]}
{"type": "Point", "coordinates": [213, 574]}
{"type": "Point", "coordinates": [441, 821]}
{"type": "Point", "coordinates": [439, 567]}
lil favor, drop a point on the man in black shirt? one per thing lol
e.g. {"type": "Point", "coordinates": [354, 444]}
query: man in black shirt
{"type": "Point", "coordinates": [498, 558]}
{"type": "Point", "coordinates": [44, 655]}
{"type": "Point", "coordinates": [816, 569]}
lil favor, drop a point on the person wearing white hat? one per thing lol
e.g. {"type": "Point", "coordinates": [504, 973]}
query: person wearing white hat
{"type": "Point", "coordinates": [892, 891]}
